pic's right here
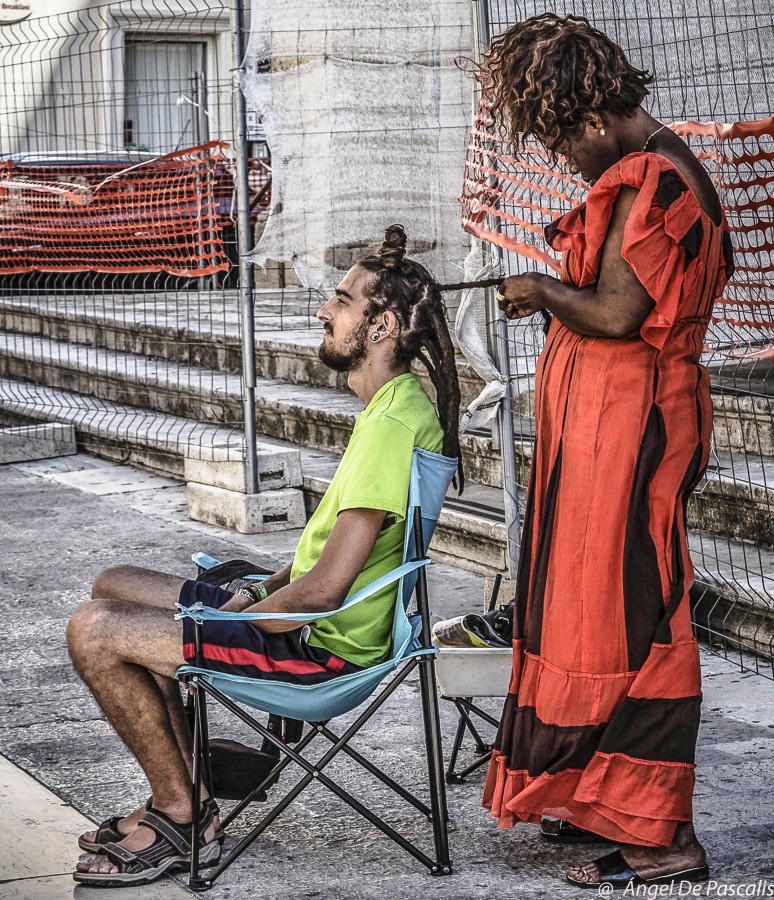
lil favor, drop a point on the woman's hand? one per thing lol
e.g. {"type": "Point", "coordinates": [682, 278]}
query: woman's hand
{"type": "Point", "coordinates": [615, 306]}
{"type": "Point", "coordinates": [522, 295]}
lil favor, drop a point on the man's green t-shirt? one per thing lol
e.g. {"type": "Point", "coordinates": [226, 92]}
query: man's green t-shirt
{"type": "Point", "coordinates": [373, 474]}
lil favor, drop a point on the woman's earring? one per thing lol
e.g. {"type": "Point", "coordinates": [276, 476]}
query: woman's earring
{"type": "Point", "coordinates": [375, 336]}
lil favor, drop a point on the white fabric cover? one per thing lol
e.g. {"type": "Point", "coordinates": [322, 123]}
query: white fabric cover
{"type": "Point", "coordinates": [367, 119]}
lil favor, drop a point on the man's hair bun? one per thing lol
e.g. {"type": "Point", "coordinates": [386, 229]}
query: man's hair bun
{"type": "Point", "coordinates": [393, 249]}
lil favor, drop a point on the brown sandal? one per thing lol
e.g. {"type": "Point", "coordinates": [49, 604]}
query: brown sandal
{"type": "Point", "coordinates": [170, 850]}
{"type": "Point", "coordinates": [107, 832]}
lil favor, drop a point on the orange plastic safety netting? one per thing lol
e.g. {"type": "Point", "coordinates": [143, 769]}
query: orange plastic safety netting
{"type": "Point", "coordinates": [160, 215]}
{"type": "Point", "coordinates": [509, 197]}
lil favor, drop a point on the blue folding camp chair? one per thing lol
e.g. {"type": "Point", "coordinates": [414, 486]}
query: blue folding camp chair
{"type": "Point", "coordinates": [316, 704]}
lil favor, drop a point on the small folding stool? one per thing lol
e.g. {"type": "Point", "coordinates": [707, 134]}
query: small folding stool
{"type": "Point", "coordinates": [465, 673]}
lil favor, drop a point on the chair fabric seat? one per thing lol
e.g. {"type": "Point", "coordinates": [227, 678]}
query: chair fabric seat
{"type": "Point", "coordinates": [309, 702]}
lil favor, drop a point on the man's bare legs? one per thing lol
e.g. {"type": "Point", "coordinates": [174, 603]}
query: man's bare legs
{"type": "Point", "coordinates": [127, 651]}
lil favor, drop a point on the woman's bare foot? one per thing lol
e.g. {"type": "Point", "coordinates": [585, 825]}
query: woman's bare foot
{"type": "Point", "coordinates": [141, 838]}
{"type": "Point", "coordinates": [685, 852]}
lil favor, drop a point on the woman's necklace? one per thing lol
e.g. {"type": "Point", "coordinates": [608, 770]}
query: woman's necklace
{"type": "Point", "coordinates": [650, 138]}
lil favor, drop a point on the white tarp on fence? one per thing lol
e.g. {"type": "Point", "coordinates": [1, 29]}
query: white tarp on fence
{"type": "Point", "coordinates": [367, 119]}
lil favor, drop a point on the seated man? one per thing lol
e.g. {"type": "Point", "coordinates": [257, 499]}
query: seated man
{"type": "Point", "coordinates": [126, 645]}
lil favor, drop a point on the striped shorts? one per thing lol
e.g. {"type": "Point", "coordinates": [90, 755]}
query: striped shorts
{"type": "Point", "coordinates": [241, 648]}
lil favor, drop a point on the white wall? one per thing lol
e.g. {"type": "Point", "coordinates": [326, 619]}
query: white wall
{"type": "Point", "coordinates": [62, 72]}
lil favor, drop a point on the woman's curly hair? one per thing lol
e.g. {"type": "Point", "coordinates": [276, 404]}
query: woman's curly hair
{"type": "Point", "coordinates": [549, 74]}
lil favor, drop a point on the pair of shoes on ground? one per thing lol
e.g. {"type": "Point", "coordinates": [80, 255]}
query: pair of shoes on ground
{"type": "Point", "coordinates": [613, 868]}
{"type": "Point", "coordinates": [464, 632]}
{"type": "Point", "coordinates": [170, 850]}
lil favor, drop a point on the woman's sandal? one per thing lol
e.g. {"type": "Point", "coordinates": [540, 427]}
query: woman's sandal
{"type": "Point", "coordinates": [615, 871]}
{"type": "Point", "coordinates": [567, 833]}
{"type": "Point", "coordinates": [169, 851]}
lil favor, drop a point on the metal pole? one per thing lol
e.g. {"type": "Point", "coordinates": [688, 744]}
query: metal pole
{"type": "Point", "coordinates": [497, 337]}
{"type": "Point", "coordinates": [431, 715]}
{"type": "Point", "coordinates": [507, 451]}
{"type": "Point", "coordinates": [246, 295]}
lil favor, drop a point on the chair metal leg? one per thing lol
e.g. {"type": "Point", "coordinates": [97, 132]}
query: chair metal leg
{"type": "Point", "coordinates": [466, 703]}
{"type": "Point", "coordinates": [314, 771]}
{"type": "Point", "coordinates": [481, 747]}
{"type": "Point", "coordinates": [431, 716]}
{"type": "Point", "coordinates": [282, 763]}
{"type": "Point", "coordinates": [195, 882]}
{"type": "Point", "coordinates": [468, 770]}
{"type": "Point", "coordinates": [451, 776]}
{"type": "Point", "coordinates": [378, 773]}
{"type": "Point", "coordinates": [466, 709]}
{"type": "Point", "coordinates": [204, 738]}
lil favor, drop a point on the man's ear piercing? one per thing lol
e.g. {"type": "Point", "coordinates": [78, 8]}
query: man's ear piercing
{"type": "Point", "coordinates": [375, 336]}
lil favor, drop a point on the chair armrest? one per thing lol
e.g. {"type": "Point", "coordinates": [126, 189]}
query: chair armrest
{"type": "Point", "coordinates": [204, 560]}
{"type": "Point", "coordinates": [200, 613]}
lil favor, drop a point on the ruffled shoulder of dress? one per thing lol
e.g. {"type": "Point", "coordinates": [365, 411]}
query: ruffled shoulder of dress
{"type": "Point", "coordinates": [664, 237]}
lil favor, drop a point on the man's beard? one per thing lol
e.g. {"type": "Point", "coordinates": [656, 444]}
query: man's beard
{"type": "Point", "coordinates": [350, 356]}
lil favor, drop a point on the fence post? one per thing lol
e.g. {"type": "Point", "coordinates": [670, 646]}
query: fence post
{"type": "Point", "coordinates": [497, 339]}
{"type": "Point", "coordinates": [246, 284]}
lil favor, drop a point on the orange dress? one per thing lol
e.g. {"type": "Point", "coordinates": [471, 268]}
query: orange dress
{"type": "Point", "coordinates": [600, 724]}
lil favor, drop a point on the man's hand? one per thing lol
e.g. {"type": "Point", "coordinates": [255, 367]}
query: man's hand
{"type": "Point", "coordinates": [240, 602]}
{"type": "Point", "coordinates": [522, 295]}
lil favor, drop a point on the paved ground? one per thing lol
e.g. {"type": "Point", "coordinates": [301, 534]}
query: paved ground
{"type": "Point", "coordinates": [62, 521]}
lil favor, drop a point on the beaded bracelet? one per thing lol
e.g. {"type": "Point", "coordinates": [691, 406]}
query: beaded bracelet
{"type": "Point", "coordinates": [257, 590]}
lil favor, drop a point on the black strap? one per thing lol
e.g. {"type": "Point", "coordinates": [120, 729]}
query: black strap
{"type": "Point", "coordinates": [227, 571]}
{"type": "Point", "coordinates": [172, 832]}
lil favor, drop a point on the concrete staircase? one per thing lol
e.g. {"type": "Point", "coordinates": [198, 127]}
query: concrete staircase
{"type": "Point", "coordinates": [146, 383]}
{"type": "Point", "coordinates": [145, 377]}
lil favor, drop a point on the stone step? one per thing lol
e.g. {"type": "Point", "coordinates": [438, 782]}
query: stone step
{"type": "Point", "coordinates": [307, 416]}
{"type": "Point", "coordinates": [114, 431]}
{"type": "Point", "coordinates": [470, 534]}
{"type": "Point", "coordinates": [735, 500]}
{"type": "Point", "coordinates": [736, 579]}
{"type": "Point", "coordinates": [206, 334]}
{"type": "Point", "coordinates": [733, 595]}
{"type": "Point", "coordinates": [204, 330]}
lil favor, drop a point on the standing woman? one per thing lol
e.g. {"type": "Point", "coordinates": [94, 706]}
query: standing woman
{"type": "Point", "coordinates": [599, 730]}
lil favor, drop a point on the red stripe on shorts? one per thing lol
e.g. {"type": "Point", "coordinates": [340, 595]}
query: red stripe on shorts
{"type": "Point", "coordinates": [336, 663]}
{"type": "Point", "coordinates": [238, 656]}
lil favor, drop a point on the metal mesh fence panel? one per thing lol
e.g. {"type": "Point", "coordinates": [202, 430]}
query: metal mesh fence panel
{"type": "Point", "coordinates": [367, 118]}
{"type": "Point", "coordinates": [119, 309]}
